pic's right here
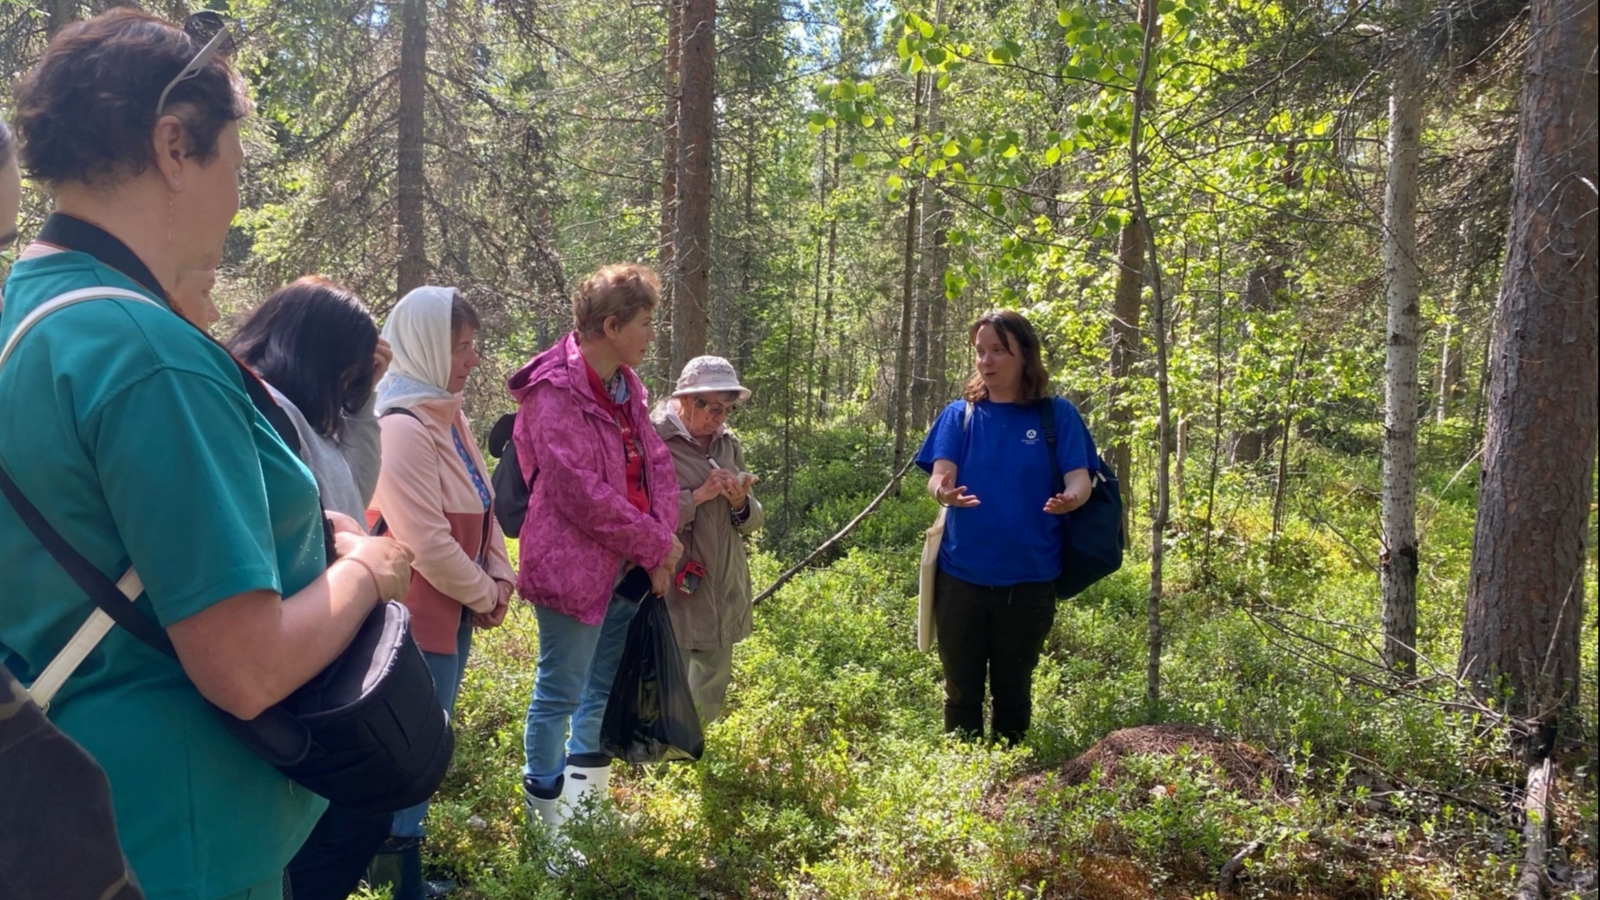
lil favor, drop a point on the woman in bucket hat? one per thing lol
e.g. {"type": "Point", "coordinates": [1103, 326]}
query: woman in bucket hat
{"type": "Point", "coordinates": [710, 598]}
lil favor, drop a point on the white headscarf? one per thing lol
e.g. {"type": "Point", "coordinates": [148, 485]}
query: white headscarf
{"type": "Point", "coordinates": [418, 331]}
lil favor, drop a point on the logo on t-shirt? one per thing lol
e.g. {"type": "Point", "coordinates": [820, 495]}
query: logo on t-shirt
{"type": "Point", "coordinates": [1031, 437]}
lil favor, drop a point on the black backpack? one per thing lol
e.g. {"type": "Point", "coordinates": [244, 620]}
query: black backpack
{"type": "Point", "coordinates": [1093, 537]}
{"type": "Point", "coordinates": [511, 491]}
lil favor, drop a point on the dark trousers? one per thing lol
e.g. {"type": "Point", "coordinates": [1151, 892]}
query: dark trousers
{"type": "Point", "coordinates": [335, 856]}
{"type": "Point", "coordinates": [993, 634]}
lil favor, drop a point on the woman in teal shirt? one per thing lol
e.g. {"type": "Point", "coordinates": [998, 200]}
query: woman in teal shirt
{"type": "Point", "coordinates": [136, 437]}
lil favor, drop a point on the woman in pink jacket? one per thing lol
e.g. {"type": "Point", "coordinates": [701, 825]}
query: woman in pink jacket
{"type": "Point", "coordinates": [605, 504]}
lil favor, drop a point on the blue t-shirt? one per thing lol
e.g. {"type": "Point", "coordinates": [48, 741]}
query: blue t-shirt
{"type": "Point", "coordinates": [134, 436]}
{"type": "Point", "coordinates": [1002, 459]}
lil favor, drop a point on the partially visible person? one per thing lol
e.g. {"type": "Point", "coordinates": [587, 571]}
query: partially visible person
{"type": "Point", "coordinates": [434, 495]}
{"type": "Point", "coordinates": [317, 348]}
{"type": "Point", "coordinates": [988, 461]}
{"type": "Point", "coordinates": [605, 503]}
{"type": "Point", "coordinates": [57, 835]}
{"type": "Point", "coordinates": [191, 297]}
{"type": "Point", "coordinates": [141, 442]}
{"type": "Point", "coordinates": [10, 187]}
{"type": "Point", "coordinates": [710, 598]}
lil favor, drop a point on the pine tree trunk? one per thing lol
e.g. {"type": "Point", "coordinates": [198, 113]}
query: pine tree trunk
{"type": "Point", "coordinates": [58, 15]}
{"type": "Point", "coordinates": [1525, 590]}
{"type": "Point", "coordinates": [1448, 381]}
{"type": "Point", "coordinates": [412, 271]}
{"type": "Point", "coordinates": [669, 166]}
{"type": "Point", "coordinates": [1398, 570]}
{"type": "Point", "coordinates": [692, 240]}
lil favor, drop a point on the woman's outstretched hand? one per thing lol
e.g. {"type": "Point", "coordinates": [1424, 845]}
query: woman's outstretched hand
{"type": "Point", "coordinates": [950, 494]}
{"type": "Point", "coordinates": [1063, 503]}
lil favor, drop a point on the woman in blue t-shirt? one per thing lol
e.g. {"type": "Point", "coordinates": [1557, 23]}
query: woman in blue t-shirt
{"type": "Point", "coordinates": [988, 460]}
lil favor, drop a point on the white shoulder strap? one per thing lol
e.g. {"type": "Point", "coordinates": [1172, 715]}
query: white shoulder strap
{"type": "Point", "coordinates": [90, 633]}
{"type": "Point", "coordinates": [70, 298]}
{"type": "Point", "coordinates": [87, 638]}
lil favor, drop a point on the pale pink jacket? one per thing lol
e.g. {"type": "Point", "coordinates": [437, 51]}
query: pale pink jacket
{"type": "Point", "coordinates": [432, 506]}
{"type": "Point", "coordinates": [580, 526]}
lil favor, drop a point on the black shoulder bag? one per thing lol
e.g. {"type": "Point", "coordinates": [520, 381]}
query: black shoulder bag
{"type": "Point", "coordinates": [1092, 535]}
{"type": "Point", "coordinates": [368, 732]}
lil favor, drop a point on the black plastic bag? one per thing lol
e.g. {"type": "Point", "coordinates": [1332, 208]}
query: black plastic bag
{"type": "Point", "coordinates": [650, 716]}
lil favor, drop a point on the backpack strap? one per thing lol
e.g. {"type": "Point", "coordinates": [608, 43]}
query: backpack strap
{"type": "Point", "coordinates": [110, 598]}
{"type": "Point", "coordinates": [381, 527]}
{"type": "Point", "coordinates": [1046, 407]}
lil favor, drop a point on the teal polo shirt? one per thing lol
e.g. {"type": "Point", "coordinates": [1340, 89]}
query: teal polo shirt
{"type": "Point", "coordinates": [133, 434]}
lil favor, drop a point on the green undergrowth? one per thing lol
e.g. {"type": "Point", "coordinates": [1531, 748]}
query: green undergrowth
{"type": "Point", "coordinates": [828, 777]}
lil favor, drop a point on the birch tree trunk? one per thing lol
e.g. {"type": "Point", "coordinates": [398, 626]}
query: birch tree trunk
{"type": "Point", "coordinates": [908, 293]}
{"type": "Point", "coordinates": [1398, 570]}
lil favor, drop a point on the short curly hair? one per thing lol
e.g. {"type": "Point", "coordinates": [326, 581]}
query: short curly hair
{"type": "Point", "coordinates": [86, 111]}
{"type": "Point", "coordinates": [621, 290]}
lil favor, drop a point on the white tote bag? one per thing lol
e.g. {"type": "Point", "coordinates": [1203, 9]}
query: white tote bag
{"type": "Point", "coordinates": [929, 571]}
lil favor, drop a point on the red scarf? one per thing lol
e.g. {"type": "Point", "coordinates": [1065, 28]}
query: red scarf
{"type": "Point", "coordinates": [632, 451]}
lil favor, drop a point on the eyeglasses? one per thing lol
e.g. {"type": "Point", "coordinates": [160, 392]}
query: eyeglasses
{"type": "Point", "coordinates": [202, 26]}
{"type": "Point", "coordinates": [719, 410]}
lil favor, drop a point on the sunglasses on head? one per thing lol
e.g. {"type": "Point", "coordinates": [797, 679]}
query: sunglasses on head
{"type": "Point", "coordinates": [207, 27]}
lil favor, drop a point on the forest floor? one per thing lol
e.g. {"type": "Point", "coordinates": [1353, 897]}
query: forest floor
{"type": "Point", "coordinates": [1277, 755]}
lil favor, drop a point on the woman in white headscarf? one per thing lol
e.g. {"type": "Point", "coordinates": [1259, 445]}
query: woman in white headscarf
{"type": "Point", "coordinates": [433, 493]}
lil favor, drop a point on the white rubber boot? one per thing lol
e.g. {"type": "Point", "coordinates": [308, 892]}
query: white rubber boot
{"type": "Point", "coordinates": [587, 774]}
{"type": "Point", "coordinates": [548, 813]}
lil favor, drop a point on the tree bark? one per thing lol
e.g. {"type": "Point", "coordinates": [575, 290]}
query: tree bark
{"type": "Point", "coordinates": [1261, 286]}
{"type": "Point", "coordinates": [1398, 569]}
{"type": "Point", "coordinates": [1150, 18]}
{"type": "Point", "coordinates": [410, 224]}
{"type": "Point", "coordinates": [59, 14]}
{"type": "Point", "coordinates": [908, 293]}
{"type": "Point", "coordinates": [669, 164]}
{"type": "Point", "coordinates": [692, 240]}
{"type": "Point", "coordinates": [1525, 591]}
{"type": "Point", "coordinates": [1125, 312]}
{"type": "Point", "coordinates": [927, 284]}
{"type": "Point", "coordinates": [833, 259]}
{"type": "Point", "coordinates": [1448, 382]}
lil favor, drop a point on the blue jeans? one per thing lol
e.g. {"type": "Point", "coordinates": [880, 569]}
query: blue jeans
{"type": "Point", "coordinates": [447, 669]}
{"type": "Point", "coordinates": [577, 663]}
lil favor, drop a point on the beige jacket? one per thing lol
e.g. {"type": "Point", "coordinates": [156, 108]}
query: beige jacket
{"type": "Point", "coordinates": [716, 615]}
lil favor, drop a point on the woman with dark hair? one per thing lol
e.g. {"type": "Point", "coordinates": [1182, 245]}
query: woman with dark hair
{"type": "Point", "coordinates": [434, 495]}
{"type": "Point", "coordinates": [315, 345]}
{"type": "Point", "coordinates": [989, 462]}
{"type": "Point", "coordinates": [152, 453]}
